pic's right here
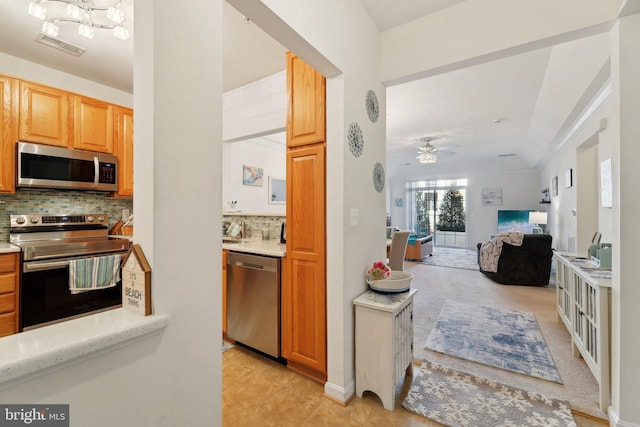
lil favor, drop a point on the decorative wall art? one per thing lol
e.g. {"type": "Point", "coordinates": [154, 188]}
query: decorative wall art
{"type": "Point", "coordinates": [554, 186]}
{"type": "Point", "coordinates": [378, 177]}
{"type": "Point", "coordinates": [356, 142]}
{"type": "Point", "coordinates": [277, 191]}
{"type": "Point", "coordinates": [568, 178]}
{"type": "Point", "coordinates": [606, 185]}
{"type": "Point", "coordinates": [252, 175]}
{"type": "Point", "coordinates": [398, 203]}
{"type": "Point", "coordinates": [373, 109]}
{"type": "Point", "coordinates": [492, 196]}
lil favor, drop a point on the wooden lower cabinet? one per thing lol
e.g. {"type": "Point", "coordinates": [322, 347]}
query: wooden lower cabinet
{"type": "Point", "coordinates": [224, 293]}
{"type": "Point", "coordinates": [304, 319]}
{"type": "Point", "coordinates": [9, 296]}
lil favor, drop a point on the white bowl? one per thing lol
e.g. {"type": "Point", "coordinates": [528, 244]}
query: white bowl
{"type": "Point", "coordinates": [398, 281]}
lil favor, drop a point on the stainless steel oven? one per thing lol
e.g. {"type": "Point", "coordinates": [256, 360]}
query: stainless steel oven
{"type": "Point", "coordinates": [49, 243]}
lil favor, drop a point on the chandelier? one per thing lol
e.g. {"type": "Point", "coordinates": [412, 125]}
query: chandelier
{"type": "Point", "coordinates": [427, 154]}
{"type": "Point", "coordinates": [85, 13]}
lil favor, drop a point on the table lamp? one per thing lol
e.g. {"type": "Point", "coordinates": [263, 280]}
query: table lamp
{"type": "Point", "coordinates": [537, 219]}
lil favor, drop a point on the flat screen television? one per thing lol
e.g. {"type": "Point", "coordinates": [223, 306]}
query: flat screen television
{"type": "Point", "coordinates": [514, 220]}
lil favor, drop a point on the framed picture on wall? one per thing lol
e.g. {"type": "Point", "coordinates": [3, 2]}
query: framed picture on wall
{"type": "Point", "coordinates": [277, 191]}
{"type": "Point", "coordinates": [568, 178]}
{"type": "Point", "coordinates": [554, 186]}
{"type": "Point", "coordinates": [252, 175]}
{"type": "Point", "coordinates": [492, 196]}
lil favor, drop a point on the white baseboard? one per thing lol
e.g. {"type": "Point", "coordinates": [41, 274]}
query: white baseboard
{"type": "Point", "coordinates": [340, 394]}
{"type": "Point", "coordinates": [615, 421]}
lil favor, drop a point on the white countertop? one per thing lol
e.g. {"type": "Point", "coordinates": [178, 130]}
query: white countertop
{"type": "Point", "coordinates": [271, 247]}
{"type": "Point", "coordinates": [6, 248]}
{"type": "Point", "coordinates": [32, 353]}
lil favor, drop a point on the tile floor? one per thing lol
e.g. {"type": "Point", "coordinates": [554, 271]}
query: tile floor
{"type": "Point", "coordinates": [257, 391]}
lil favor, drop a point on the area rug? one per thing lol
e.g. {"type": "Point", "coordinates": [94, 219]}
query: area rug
{"type": "Point", "coordinates": [509, 340]}
{"type": "Point", "coordinates": [455, 398]}
{"type": "Point", "coordinates": [453, 258]}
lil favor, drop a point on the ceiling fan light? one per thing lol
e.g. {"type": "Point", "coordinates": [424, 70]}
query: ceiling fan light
{"type": "Point", "coordinates": [74, 12]}
{"type": "Point", "coordinates": [38, 11]}
{"type": "Point", "coordinates": [121, 33]}
{"type": "Point", "coordinates": [86, 31]}
{"type": "Point", "coordinates": [115, 15]}
{"type": "Point", "coordinates": [427, 157]}
{"type": "Point", "coordinates": [50, 29]}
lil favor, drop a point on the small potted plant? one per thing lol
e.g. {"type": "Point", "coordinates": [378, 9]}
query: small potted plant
{"type": "Point", "coordinates": [378, 271]}
{"type": "Point", "coordinates": [382, 279]}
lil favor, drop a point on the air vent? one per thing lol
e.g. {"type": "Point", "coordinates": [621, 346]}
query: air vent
{"type": "Point", "coordinates": [507, 155]}
{"type": "Point", "coordinates": [60, 44]}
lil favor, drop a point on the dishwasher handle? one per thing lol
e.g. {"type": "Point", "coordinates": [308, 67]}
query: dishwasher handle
{"type": "Point", "coordinates": [256, 263]}
{"type": "Point", "coordinates": [247, 265]}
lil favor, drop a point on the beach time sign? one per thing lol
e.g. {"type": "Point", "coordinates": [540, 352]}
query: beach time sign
{"type": "Point", "coordinates": [136, 282]}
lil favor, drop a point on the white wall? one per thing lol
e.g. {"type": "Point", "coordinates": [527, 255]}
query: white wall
{"type": "Point", "coordinates": [258, 152]}
{"type": "Point", "coordinates": [25, 70]}
{"type": "Point", "coordinates": [625, 318]}
{"type": "Point", "coordinates": [563, 212]}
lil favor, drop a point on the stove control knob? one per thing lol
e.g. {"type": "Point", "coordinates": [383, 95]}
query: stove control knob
{"type": "Point", "coordinates": [34, 219]}
{"type": "Point", "coordinates": [20, 220]}
{"type": "Point", "coordinates": [100, 219]}
{"type": "Point", "coordinates": [89, 219]}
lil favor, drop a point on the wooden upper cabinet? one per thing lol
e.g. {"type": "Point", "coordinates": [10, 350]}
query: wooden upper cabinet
{"type": "Point", "coordinates": [306, 109]}
{"type": "Point", "coordinates": [44, 114]}
{"type": "Point", "coordinates": [93, 125]}
{"type": "Point", "coordinates": [8, 133]}
{"type": "Point", "coordinates": [124, 150]}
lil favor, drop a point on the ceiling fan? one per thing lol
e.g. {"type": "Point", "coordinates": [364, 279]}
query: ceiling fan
{"type": "Point", "coordinates": [429, 153]}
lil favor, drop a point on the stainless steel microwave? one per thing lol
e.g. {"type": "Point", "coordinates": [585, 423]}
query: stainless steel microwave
{"type": "Point", "coordinates": [43, 166]}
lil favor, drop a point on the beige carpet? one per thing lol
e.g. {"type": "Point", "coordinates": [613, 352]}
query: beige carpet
{"type": "Point", "coordinates": [437, 284]}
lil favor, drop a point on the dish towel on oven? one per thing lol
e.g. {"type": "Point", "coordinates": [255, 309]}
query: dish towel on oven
{"type": "Point", "coordinates": [89, 274]}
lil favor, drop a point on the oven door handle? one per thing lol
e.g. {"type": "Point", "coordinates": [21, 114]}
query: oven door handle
{"type": "Point", "coordinates": [41, 266]}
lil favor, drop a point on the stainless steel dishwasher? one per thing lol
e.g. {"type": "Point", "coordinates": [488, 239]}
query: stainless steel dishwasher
{"type": "Point", "coordinates": [253, 301]}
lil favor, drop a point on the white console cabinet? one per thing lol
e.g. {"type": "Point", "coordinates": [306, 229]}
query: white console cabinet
{"type": "Point", "coordinates": [384, 342]}
{"type": "Point", "coordinates": [583, 303]}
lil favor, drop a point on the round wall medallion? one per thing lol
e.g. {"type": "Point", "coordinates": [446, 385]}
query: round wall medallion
{"type": "Point", "coordinates": [378, 177]}
{"type": "Point", "coordinates": [356, 142]}
{"type": "Point", "coordinates": [373, 110]}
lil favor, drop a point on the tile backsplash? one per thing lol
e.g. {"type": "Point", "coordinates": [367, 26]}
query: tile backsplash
{"type": "Point", "coordinates": [254, 224]}
{"type": "Point", "coordinates": [59, 202]}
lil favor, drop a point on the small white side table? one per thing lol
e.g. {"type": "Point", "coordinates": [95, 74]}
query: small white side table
{"type": "Point", "coordinates": [384, 343]}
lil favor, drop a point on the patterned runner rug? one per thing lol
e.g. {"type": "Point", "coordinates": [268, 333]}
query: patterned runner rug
{"type": "Point", "coordinates": [456, 398]}
{"type": "Point", "coordinates": [509, 340]}
{"type": "Point", "coordinates": [453, 258]}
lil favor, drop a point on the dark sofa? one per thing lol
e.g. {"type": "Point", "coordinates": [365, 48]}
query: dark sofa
{"type": "Point", "coordinates": [529, 264]}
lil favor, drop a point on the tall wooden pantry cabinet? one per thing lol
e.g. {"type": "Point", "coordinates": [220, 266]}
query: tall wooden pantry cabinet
{"type": "Point", "coordinates": [304, 307]}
